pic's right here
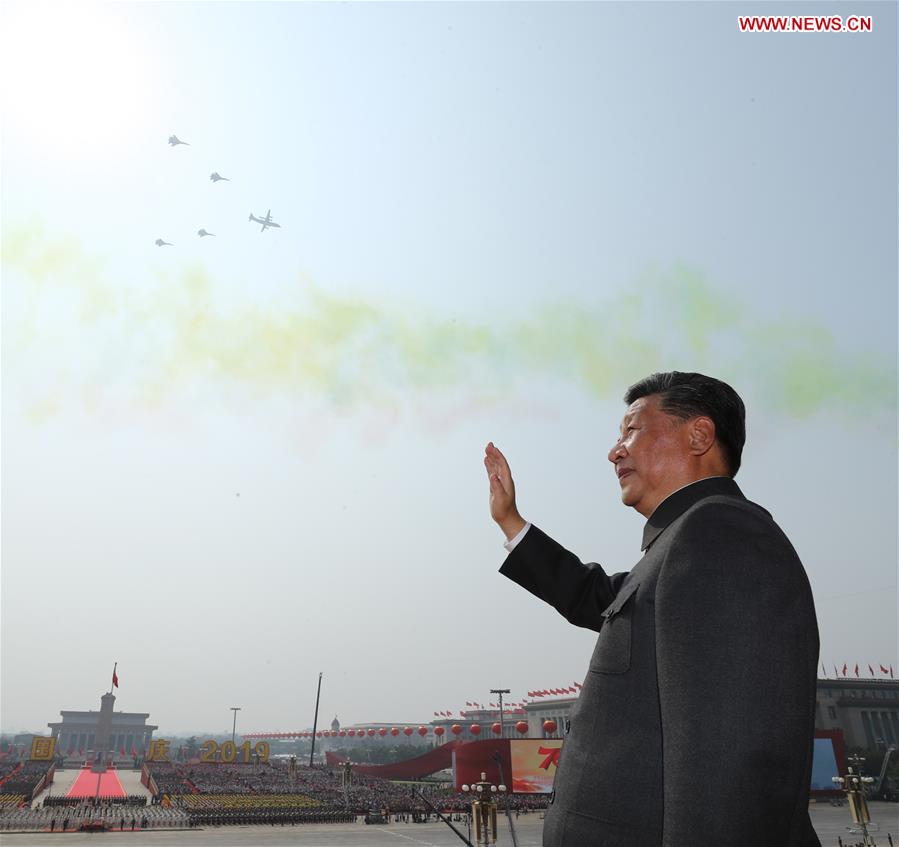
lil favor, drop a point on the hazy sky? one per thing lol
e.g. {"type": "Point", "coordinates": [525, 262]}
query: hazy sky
{"type": "Point", "coordinates": [235, 462]}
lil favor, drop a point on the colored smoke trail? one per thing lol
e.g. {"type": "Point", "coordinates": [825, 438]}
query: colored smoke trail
{"type": "Point", "coordinates": [72, 329]}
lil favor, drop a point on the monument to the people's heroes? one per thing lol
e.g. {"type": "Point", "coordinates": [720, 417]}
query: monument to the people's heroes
{"type": "Point", "coordinates": [104, 730]}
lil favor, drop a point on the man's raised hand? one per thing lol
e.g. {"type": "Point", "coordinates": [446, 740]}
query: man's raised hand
{"type": "Point", "coordinates": [502, 492]}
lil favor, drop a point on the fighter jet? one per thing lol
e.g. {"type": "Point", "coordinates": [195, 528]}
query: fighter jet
{"type": "Point", "coordinates": [174, 140]}
{"type": "Point", "coordinates": [161, 243]}
{"type": "Point", "coordinates": [215, 177]}
{"type": "Point", "coordinates": [202, 233]}
{"type": "Point", "coordinates": [266, 222]}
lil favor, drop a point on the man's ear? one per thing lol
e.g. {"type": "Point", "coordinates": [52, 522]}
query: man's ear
{"type": "Point", "coordinates": [701, 435]}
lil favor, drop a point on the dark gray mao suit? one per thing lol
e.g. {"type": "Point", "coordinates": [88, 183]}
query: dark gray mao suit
{"type": "Point", "coordinates": [695, 724]}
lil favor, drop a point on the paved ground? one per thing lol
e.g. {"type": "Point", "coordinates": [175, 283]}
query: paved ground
{"type": "Point", "coordinates": [830, 822]}
{"type": "Point", "coordinates": [64, 779]}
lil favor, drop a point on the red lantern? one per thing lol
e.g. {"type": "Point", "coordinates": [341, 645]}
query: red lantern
{"type": "Point", "coordinates": [371, 732]}
{"type": "Point", "coordinates": [318, 735]}
{"type": "Point", "coordinates": [422, 731]}
{"type": "Point", "coordinates": [475, 729]}
{"type": "Point", "coordinates": [522, 727]}
{"type": "Point", "coordinates": [394, 731]}
{"type": "Point", "coordinates": [382, 732]}
{"type": "Point", "coordinates": [342, 733]}
{"type": "Point", "coordinates": [455, 729]}
{"type": "Point", "coordinates": [408, 730]}
{"type": "Point", "coordinates": [438, 731]}
{"type": "Point", "coordinates": [496, 728]}
{"type": "Point", "coordinates": [351, 733]}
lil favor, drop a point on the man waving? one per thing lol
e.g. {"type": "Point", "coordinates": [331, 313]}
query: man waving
{"type": "Point", "coordinates": [695, 724]}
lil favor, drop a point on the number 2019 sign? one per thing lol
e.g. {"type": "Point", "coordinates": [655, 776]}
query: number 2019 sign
{"type": "Point", "coordinates": [211, 751]}
{"type": "Point", "coordinates": [228, 751]}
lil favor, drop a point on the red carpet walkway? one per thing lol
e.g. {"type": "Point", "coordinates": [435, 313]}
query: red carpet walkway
{"type": "Point", "coordinates": [86, 785]}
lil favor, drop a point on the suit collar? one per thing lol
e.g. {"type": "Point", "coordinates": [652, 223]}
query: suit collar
{"type": "Point", "coordinates": [676, 503]}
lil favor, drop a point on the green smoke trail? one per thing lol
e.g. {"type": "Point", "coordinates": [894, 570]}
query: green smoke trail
{"type": "Point", "coordinates": [356, 352]}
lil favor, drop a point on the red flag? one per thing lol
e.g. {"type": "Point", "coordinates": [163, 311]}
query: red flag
{"type": "Point", "coordinates": [856, 668]}
{"type": "Point", "coordinates": [883, 669]}
{"type": "Point", "coordinates": [844, 669]}
{"type": "Point", "coordinates": [468, 704]}
{"type": "Point", "coordinates": [115, 679]}
{"type": "Point", "coordinates": [871, 669]}
{"type": "Point", "coordinates": [578, 685]}
{"type": "Point", "coordinates": [835, 671]}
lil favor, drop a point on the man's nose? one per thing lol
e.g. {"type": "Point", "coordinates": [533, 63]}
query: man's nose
{"type": "Point", "coordinates": [617, 452]}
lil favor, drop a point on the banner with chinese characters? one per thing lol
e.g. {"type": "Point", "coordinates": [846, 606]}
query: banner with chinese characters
{"type": "Point", "coordinates": [534, 763]}
{"type": "Point", "coordinates": [43, 749]}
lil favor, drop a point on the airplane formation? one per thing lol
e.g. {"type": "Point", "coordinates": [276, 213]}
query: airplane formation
{"type": "Point", "coordinates": [215, 176]}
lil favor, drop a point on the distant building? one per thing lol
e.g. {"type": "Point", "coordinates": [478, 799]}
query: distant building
{"type": "Point", "coordinates": [106, 731]}
{"type": "Point", "coordinates": [867, 710]}
{"type": "Point", "coordinates": [534, 714]}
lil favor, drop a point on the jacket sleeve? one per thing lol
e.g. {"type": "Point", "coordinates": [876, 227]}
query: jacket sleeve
{"type": "Point", "coordinates": [736, 653]}
{"type": "Point", "coordinates": [579, 592]}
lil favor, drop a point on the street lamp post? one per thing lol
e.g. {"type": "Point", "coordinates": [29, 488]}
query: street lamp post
{"type": "Point", "coordinates": [234, 709]}
{"type": "Point", "coordinates": [502, 726]}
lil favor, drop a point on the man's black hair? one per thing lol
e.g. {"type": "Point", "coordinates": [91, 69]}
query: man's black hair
{"type": "Point", "coordinates": [688, 395]}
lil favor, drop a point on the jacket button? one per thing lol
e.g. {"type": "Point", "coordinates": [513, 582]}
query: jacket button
{"type": "Point", "coordinates": [552, 797]}
{"type": "Point", "coordinates": [567, 726]}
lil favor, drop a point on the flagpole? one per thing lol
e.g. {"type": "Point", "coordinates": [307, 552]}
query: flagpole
{"type": "Point", "coordinates": [315, 719]}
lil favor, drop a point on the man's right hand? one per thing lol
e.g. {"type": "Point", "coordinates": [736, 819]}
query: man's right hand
{"type": "Point", "coordinates": [502, 493]}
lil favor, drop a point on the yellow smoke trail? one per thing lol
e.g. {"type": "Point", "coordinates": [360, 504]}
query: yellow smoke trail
{"type": "Point", "coordinates": [353, 352]}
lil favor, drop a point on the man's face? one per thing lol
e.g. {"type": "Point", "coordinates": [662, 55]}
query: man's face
{"type": "Point", "coordinates": [651, 456]}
